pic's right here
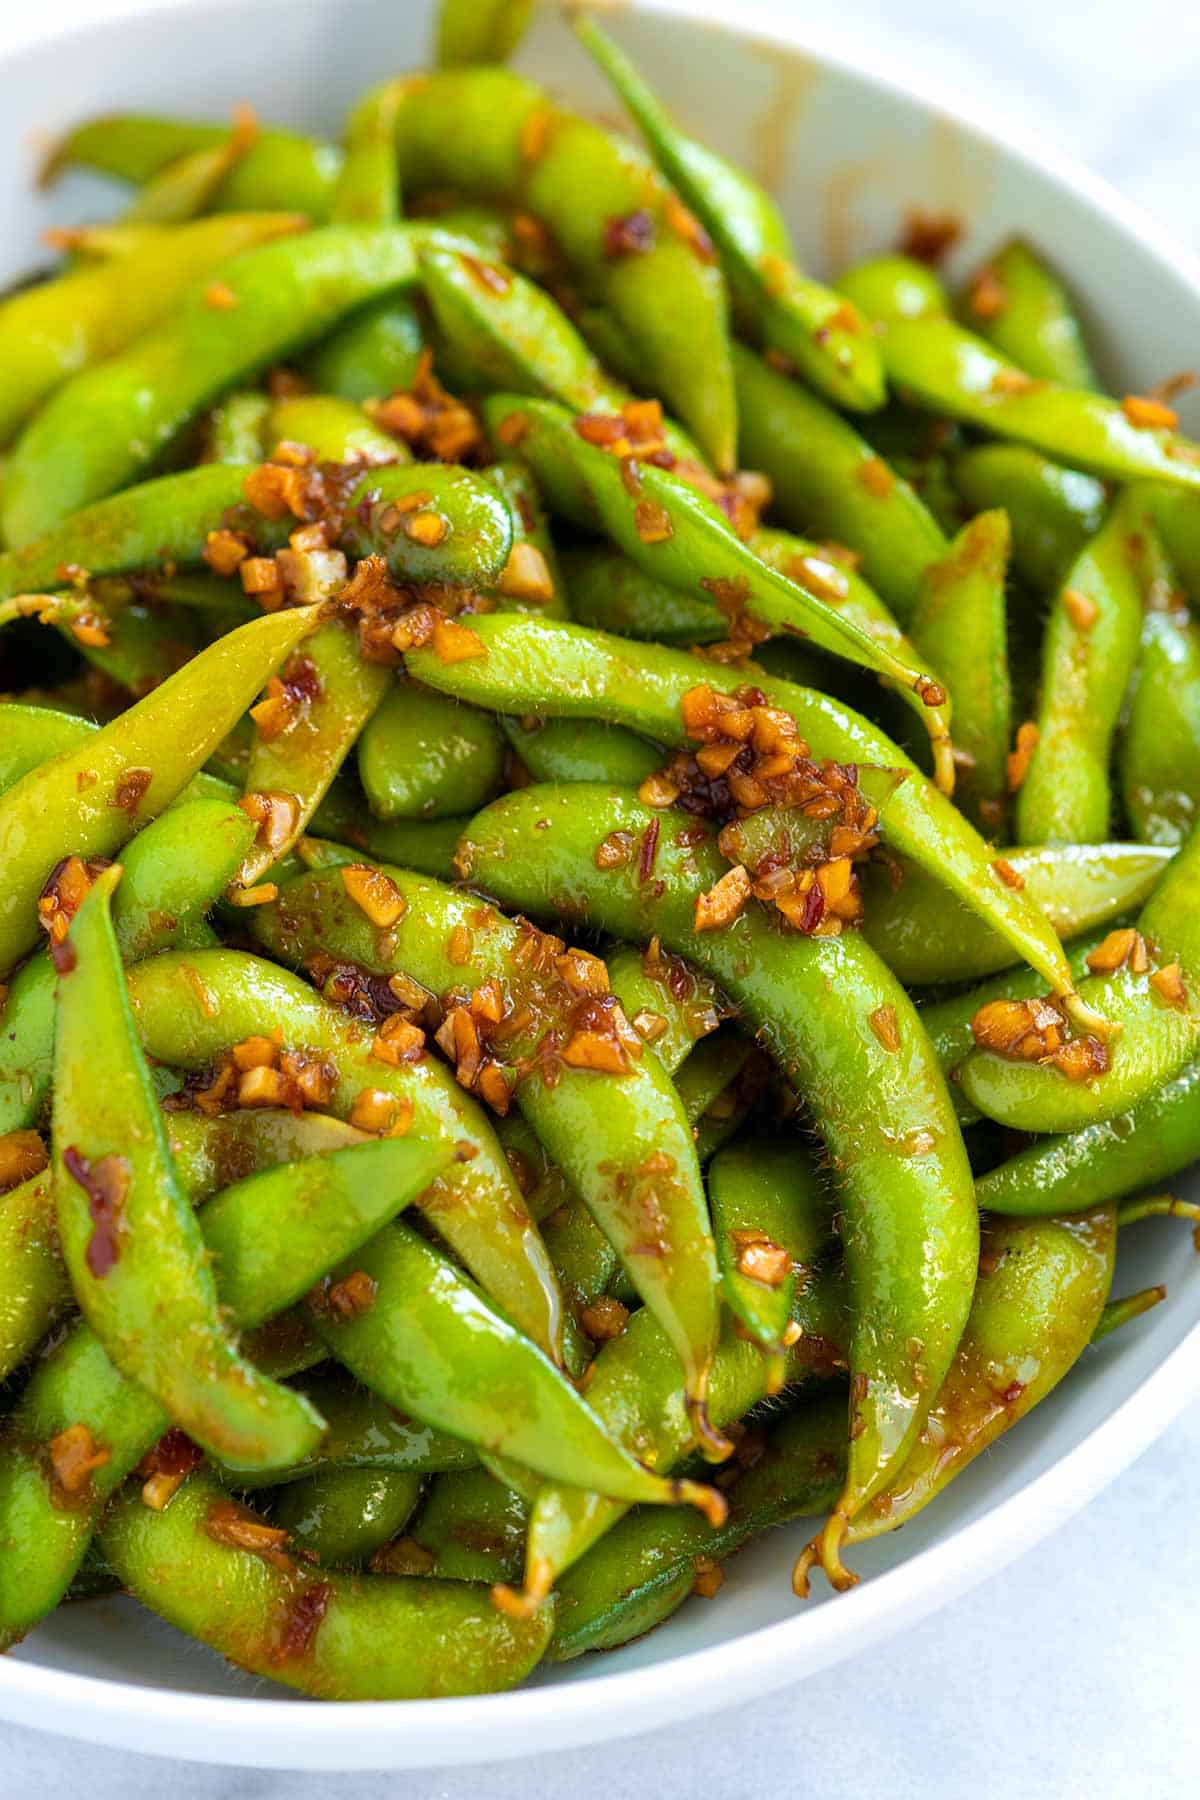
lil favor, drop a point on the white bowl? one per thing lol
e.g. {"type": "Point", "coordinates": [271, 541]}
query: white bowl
{"type": "Point", "coordinates": [846, 151]}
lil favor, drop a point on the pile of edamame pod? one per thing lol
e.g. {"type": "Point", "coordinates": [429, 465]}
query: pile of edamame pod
{"type": "Point", "coordinates": [599, 888]}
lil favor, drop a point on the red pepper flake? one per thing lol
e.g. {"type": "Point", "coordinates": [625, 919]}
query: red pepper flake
{"type": "Point", "coordinates": [106, 1183]}
{"type": "Point", "coordinates": [647, 851]}
{"type": "Point", "coordinates": [128, 794]}
{"type": "Point", "coordinates": [301, 1621]}
{"type": "Point", "coordinates": [353, 1295]}
{"type": "Point", "coordinates": [629, 234]}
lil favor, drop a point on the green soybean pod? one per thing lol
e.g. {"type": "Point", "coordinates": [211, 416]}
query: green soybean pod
{"type": "Point", "coordinates": [1148, 1142]}
{"type": "Point", "coordinates": [1018, 303]}
{"type": "Point", "coordinates": [334, 429]}
{"type": "Point", "coordinates": [926, 939]}
{"type": "Point", "coordinates": [610, 592]}
{"type": "Point", "coordinates": [473, 1527]}
{"type": "Point", "coordinates": [480, 31]}
{"type": "Point", "coordinates": [1053, 511]}
{"type": "Point", "coordinates": [90, 800]}
{"type": "Point", "coordinates": [129, 1239]}
{"type": "Point", "coordinates": [236, 426]}
{"type": "Point", "coordinates": [337, 1637]}
{"type": "Point", "coordinates": [116, 418]}
{"type": "Point", "coordinates": [581, 750]}
{"type": "Point", "coordinates": [1088, 658]}
{"type": "Point", "coordinates": [646, 1567]}
{"type": "Point", "coordinates": [423, 755]}
{"type": "Point", "coordinates": [828, 481]}
{"type": "Point", "coordinates": [370, 355]}
{"type": "Point", "coordinates": [1159, 750]}
{"type": "Point", "coordinates": [960, 625]}
{"type": "Point", "coordinates": [281, 170]}
{"type": "Point", "coordinates": [343, 1516]}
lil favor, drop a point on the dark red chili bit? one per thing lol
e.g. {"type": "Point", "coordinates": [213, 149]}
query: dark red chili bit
{"type": "Point", "coordinates": [647, 851]}
{"type": "Point", "coordinates": [174, 1454]}
{"type": "Point", "coordinates": [301, 1621]}
{"type": "Point", "coordinates": [63, 957]}
{"type": "Point", "coordinates": [629, 234]}
{"type": "Point", "coordinates": [814, 908]}
{"type": "Point", "coordinates": [128, 794]}
{"type": "Point", "coordinates": [106, 1183]}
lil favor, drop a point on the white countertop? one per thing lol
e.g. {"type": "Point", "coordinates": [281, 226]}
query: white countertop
{"type": "Point", "coordinates": [1072, 1674]}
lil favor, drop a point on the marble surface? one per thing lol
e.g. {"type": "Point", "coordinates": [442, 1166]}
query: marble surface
{"type": "Point", "coordinates": [1072, 1673]}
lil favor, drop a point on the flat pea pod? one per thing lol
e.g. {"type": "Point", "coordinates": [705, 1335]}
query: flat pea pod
{"type": "Point", "coordinates": [566, 671]}
{"type": "Point", "coordinates": [280, 171]}
{"type": "Point", "coordinates": [634, 1390]}
{"type": "Point", "coordinates": [480, 31]}
{"type": "Point", "coordinates": [334, 1636]}
{"type": "Point", "coordinates": [1158, 1013]}
{"type": "Point", "coordinates": [51, 331]}
{"type": "Point", "coordinates": [616, 221]}
{"type": "Point", "coordinates": [175, 871]}
{"type": "Point", "coordinates": [1053, 511]}
{"type": "Point", "coordinates": [129, 1239]}
{"type": "Point", "coordinates": [828, 481]}
{"type": "Point", "coordinates": [372, 353]}
{"type": "Point", "coordinates": [925, 940]}
{"type": "Point", "coordinates": [680, 536]}
{"type": "Point", "coordinates": [424, 756]}
{"type": "Point", "coordinates": [338, 694]}
{"type": "Point", "coordinates": [896, 286]}
{"type": "Point", "coordinates": [866, 1072]}
{"type": "Point", "coordinates": [678, 1004]}
{"type": "Point", "coordinates": [76, 1400]}
{"type": "Point", "coordinates": [1109, 1160]}
{"type": "Point", "coordinates": [473, 1527]}
{"type": "Point", "coordinates": [1159, 750]}
{"type": "Point", "coordinates": [771, 1217]}
{"type": "Point", "coordinates": [952, 371]}
{"type": "Point", "coordinates": [581, 750]}
{"type": "Point", "coordinates": [344, 1515]}
{"type": "Point", "coordinates": [649, 1564]}
{"type": "Point", "coordinates": [91, 800]}
{"type": "Point", "coordinates": [190, 1009]}
{"type": "Point", "coordinates": [610, 1118]}
{"type": "Point", "coordinates": [162, 521]}
{"type": "Point", "coordinates": [960, 624]}
{"type": "Point", "coordinates": [214, 1151]}
{"type": "Point", "coordinates": [499, 330]}
{"type": "Point", "coordinates": [236, 426]}
{"type": "Point", "coordinates": [787, 311]}
{"type": "Point", "coordinates": [1088, 658]}
{"type": "Point", "coordinates": [362, 1432]}
{"type": "Point", "coordinates": [334, 429]}
{"type": "Point", "coordinates": [431, 1340]}
{"type": "Point", "coordinates": [117, 417]}
{"type": "Point", "coordinates": [188, 186]}
{"type": "Point", "coordinates": [1019, 305]}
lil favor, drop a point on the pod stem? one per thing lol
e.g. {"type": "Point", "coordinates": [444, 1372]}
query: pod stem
{"type": "Point", "coordinates": [1130, 1306]}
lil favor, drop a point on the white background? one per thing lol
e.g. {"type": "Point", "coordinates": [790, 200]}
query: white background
{"type": "Point", "coordinates": [1074, 1673]}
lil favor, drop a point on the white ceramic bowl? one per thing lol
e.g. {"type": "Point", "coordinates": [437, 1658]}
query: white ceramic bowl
{"type": "Point", "coordinates": [846, 151]}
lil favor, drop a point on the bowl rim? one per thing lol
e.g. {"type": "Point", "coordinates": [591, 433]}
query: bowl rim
{"type": "Point", "coordinates": [281, 1732]}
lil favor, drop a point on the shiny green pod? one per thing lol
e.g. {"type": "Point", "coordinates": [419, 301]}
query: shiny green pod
{"type": "Point", "coordinates": [829, 482]}
{"type": "Point", "coordinates": [474, 1527]}
{"type": "Point", "coordinates": [480, 31]}
{"type": "Point", "coordinates": [117, 418]}
{"type": "Point", "coordinates": [372, 353]}
{"type": "Point", "coordinates": [343, 1516]}
{"type": "Point", "coordinates": [424, 756]}
{"type": "Point", "coordinates": [334, 1636]}
{"type": "Point", "coordinates": [91, 800]}
{"type": "Point", "coordinates": [1089, 653]}
{"type": "Point", "coordinates": [1158, 754]}
{"type": "Point", "coordinates": [567, 671]}
{"type": "Point", "coordinates": [926, 939]}
{"type": "Point", "coordinates": [1019, 305]}
{"type": "Point", "coordinates": [1053, 511]}
{"type": "Point", "coordinates": [865, 1070]}
{"type": "Point", "coordinates": [581, 750]}
{"type": "Point", "coordinates": [1159, 1022]}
